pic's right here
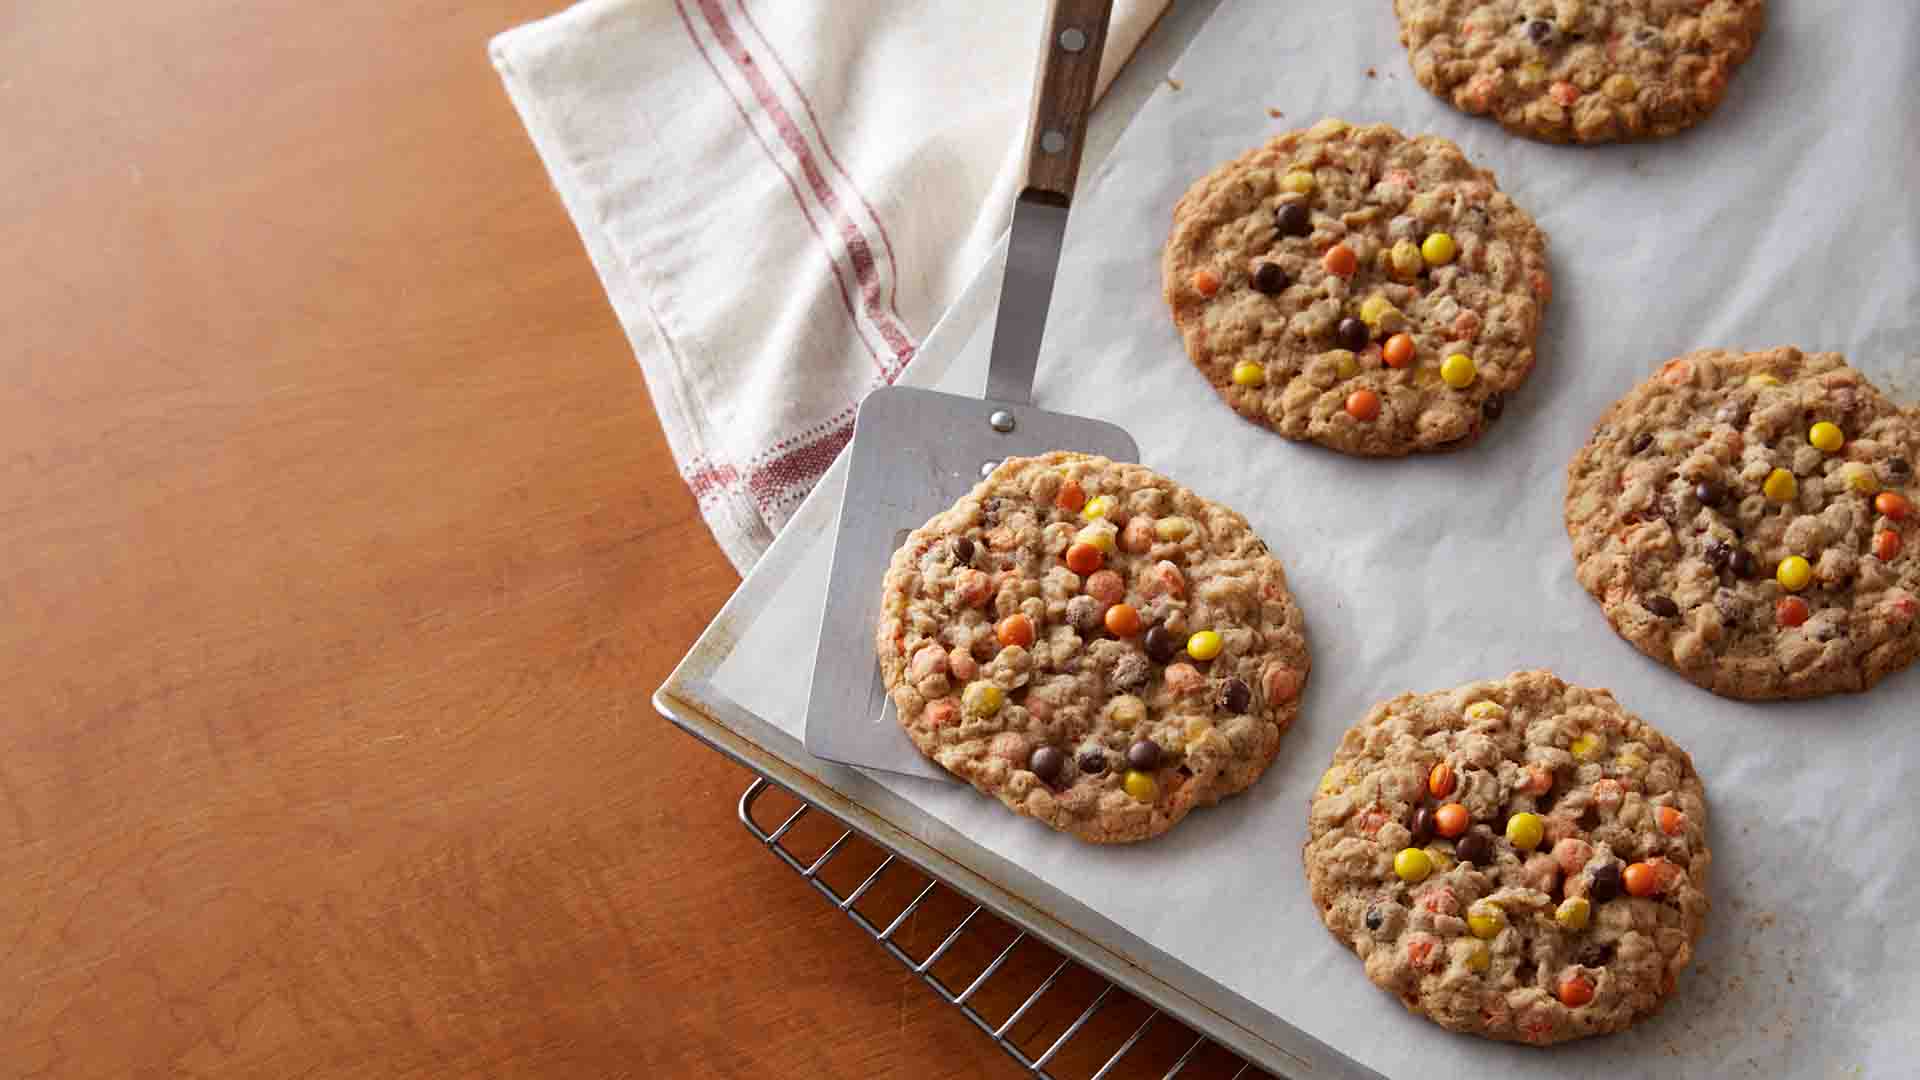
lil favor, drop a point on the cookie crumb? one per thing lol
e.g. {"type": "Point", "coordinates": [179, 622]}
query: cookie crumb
{"type": "Point", "coordinates": [1275, 113]}
{"type": "Point", "coordinates": [1175, 83]}
{"type": "Point", "coordinates": [1372, 74]}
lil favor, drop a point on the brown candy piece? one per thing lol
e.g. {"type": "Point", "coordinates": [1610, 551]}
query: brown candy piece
{"type": "Point", "coordinates": [1475, 848]}
{"type": "Point", "coordinates": [1144, 755]}
{"type": "Point", "coordinates": [1236, 696]}
{"type": "Point", "coordinates": [1422, 827]}
{"type": "Point", "coordinates": [1047, 763]}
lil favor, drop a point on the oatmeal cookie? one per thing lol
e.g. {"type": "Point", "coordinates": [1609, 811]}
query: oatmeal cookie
{"type": "Point", "coordinates": [1748, 520]}
{"type": "Point", "coordinates": [1093, 645]}
{"type": "Point", "coordinates": [1519, 859]}
{"type": "Point", "coordinates": [1587, 71]}
{"type": "Point", "coordinates": [1353, 287]}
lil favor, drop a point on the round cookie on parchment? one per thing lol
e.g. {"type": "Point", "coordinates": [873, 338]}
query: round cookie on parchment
{"type": "Point", "coordinates": [1520, 859]}
{"type": "Point", "coordinates": [1698, 486]}
{"type": "Point", "coordinates": [1092, 644]}
{"type": "Point", "coordinates": [1325, 284]}
{"type": "Point", "coordinates": [1587, 71]}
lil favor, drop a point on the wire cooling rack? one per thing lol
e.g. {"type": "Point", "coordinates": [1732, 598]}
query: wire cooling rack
{"type": "Point", "coordinates": [1056, 1019]}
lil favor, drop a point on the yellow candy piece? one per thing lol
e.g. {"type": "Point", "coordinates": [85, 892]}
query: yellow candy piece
{"type": "Point", "coordinates": [1204, 645]}
{"type": "Point", "coordinates": [1781, 486]}
{"type": "Point", "coordinates": [1127, 711]}
{"type": "Point", "coordinates": [1096, 507]}
{"type": "Point", "coordinates": [1248, 373]}
{"type": "Point", "coordinates": [1198, 726]}
{"type": "Point", "coordinates": [1585, 746]}
{"type": "Point", "coordinates": [1374, 308]}
{"type": "Point", "coordinates": [1827, 436]}
{"type": "Point", "coordinates": [1141, 786]}
{"type": "Point", "coordinates": [1860, 478]}
{"type": "Point", "coordinates": [1794, 573]}
{"type": "Point", "coordinates": [1438, 249]}
{"type": "Point", "coordinates": [1532, 74]}
{"type": "Point", "coordinates": [1525, 831]}
{"type": "Point", "coordinates": [1333, 781]}
{"type": "Point", "coordinates": [982, 699]}
{"type": "Point", "coordinates": [1620, 88]}
{"type": "Point", "coordinates": [1486, 710]}
{"type": "Point", "coordinates": [1172, 528]}
{"type": "Point", "coordinates": [1630, 762]}
{"type": "Point", "coordinates": [1413, 865]}
{"type": "Point", "coordinates": [1762, 379]}
{"type": "Point", "coordinates": [1479, 960]}
{"type": "Point", "coordinates": [1486, 920]}
{"type": "Point", "coordinates": [1100, 535]}
{"type": "Point", "coordinates": [1406, 259]}
{"type": "Point", "coordinates": [1300, 182]}
{"type": "Point", "coordinates": [1332, 125]}
{"type": "Point", "coordinates": [1345, 364]}
{"type": "Point", "coordinates": [1458, 371]}
{"type": "Point", "coordinates": [1573, 913]}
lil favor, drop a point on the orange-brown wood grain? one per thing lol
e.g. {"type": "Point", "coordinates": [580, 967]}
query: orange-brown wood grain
{"type": "Point", "coordinates": [340, 553]}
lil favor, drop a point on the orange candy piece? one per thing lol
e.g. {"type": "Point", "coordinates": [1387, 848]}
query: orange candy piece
{"type": "Point", "coordinates": [1893, 505]}
{"type": "Point", "coordinates": [1015, 629]}
{"type": "Point", "coordinates": [1206, 282]}
{"type": "Point", "coordinates": [1084, 558]}
{"type": "Point", "coordinates": [1642, 879]}
{"type": "Point", "coordinates": [1363, 405]}
{"type": "Point", "coordinates": [1791, 611]}
{"type": "Point", "coordinates": [1123, 620]}
{"type": "Point", "coordinates": [1451, 820]}
{"type": "Point", "coordinates": [1340, 261]}
{"type": "Point", "coordinates": [1398, 351]}
{"type": "Point", "coordinates": [1886, 545]}
{"type": "Point", "coordinates": [1575, 991]}
{"type": "Point", "coordinates": [1441, 780]}
{"type": "Point", "coordinates": [1072, 497]}
{"type": "Point", "coordinates": [1671, 821]}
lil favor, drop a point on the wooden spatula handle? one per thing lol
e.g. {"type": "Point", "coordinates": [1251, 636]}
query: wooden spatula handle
{"type": "Point", "coordinates": [1076, 35]}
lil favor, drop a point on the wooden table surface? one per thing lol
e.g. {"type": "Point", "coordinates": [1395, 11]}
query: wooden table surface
{"type": "Point", "coordinates": [340, 552]}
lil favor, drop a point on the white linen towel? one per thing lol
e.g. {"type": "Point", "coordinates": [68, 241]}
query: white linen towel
{"type": "Point", "coordinates": [781, 200]}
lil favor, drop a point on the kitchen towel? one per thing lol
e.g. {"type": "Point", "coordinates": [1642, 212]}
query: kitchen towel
{"type": "Point", "coordinates": [781, 199]}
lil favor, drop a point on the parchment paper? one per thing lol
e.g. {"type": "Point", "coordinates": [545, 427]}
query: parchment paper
{"type": "Point", "coordinates": [1789, 217]}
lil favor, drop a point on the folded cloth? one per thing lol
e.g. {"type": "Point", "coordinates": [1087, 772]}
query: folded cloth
{"type": "Point", "coordinates": [781, 200]}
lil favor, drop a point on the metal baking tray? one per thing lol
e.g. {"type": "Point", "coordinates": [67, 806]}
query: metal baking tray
{"type": "Point", "coordinates": [691, 700]}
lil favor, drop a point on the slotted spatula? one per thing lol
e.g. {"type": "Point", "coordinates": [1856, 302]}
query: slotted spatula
{"type": "Point", "coordinates": [915, 452]}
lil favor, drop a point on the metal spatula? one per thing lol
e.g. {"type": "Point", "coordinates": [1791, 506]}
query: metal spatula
{"type": "Point", "coordinates": [915, 452]}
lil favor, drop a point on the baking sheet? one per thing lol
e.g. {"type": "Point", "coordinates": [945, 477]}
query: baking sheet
{"type": "Point", "coordinates": [1785, 219]}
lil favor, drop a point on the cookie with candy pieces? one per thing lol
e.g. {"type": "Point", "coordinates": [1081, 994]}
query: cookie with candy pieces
{"type": "Point", "coordinates": [1351, 286]}
{"type": "Point", "coordinates": [1587, 71]}
{"type": "Point", "coordinates": [1092, 644]}
{"type": "Point", "coordinates": [1747, 519]}
{"type": "Point", "coordinates": [1520, 859]}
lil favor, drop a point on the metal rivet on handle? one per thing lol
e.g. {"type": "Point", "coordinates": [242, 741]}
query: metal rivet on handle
{"type": "Point", "coordinates": [1002, 420]}
{"type": "Point", "coordinates": [987, 467]}
{"type": "Point", "coordinates": [1053, 142]}
{"type": "Point", "coordinates": [1073, 39]}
